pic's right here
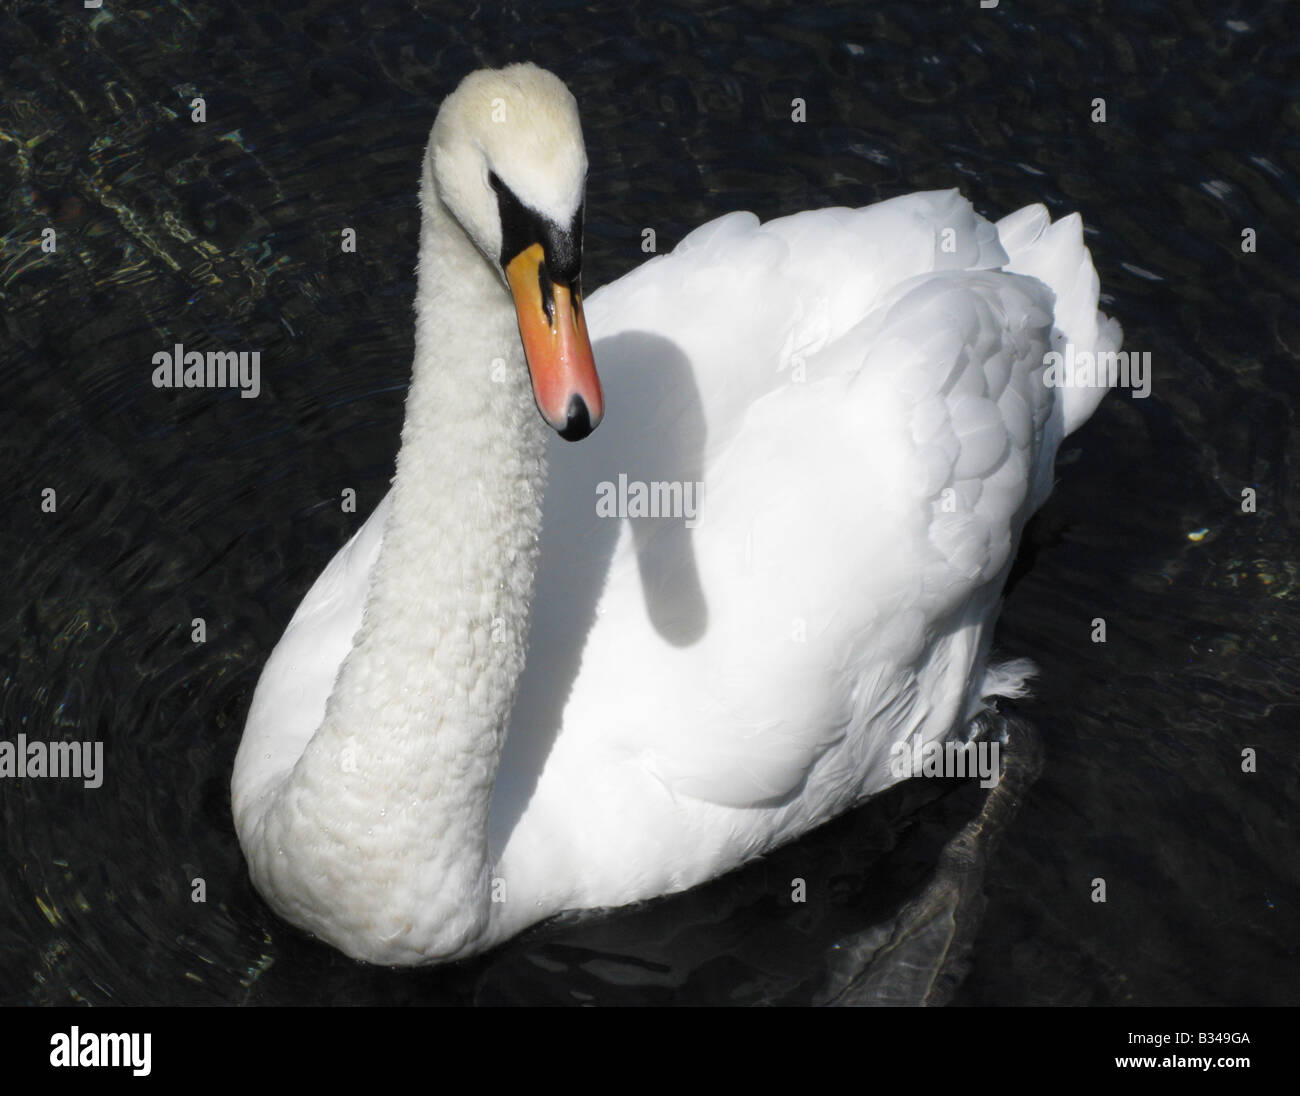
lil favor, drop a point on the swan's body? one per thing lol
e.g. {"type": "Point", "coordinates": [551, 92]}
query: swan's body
{"type": "Point", "coordinates": [860, 394]}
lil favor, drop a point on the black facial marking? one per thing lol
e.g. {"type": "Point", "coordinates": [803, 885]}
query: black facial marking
{"type": "Point", "coordinates": [547, 288]}
{"type": "Point", "coordinates": [564, 250]}
{"type": "Point", "coordinates": [521, 227]}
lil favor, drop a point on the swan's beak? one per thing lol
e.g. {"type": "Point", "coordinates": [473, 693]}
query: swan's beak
{"type": "Point", "coordinates": [556, 345]}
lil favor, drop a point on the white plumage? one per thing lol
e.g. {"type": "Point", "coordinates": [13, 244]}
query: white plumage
{"type": "Point", "coordinates": [860, 394]}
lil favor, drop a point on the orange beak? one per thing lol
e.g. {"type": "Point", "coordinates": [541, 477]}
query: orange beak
{"type": "Point", "coordinates": [556, 345]}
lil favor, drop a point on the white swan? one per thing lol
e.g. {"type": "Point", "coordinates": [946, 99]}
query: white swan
{"type": "Point", "coordinates": [861, 395]}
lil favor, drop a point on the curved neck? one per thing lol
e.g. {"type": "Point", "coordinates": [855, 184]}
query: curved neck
{"type": "Point", "coordinates": [416, 721]}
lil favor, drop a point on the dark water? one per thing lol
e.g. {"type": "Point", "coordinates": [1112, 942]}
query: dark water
{"type": "Point", "coordinates": [176, 505]}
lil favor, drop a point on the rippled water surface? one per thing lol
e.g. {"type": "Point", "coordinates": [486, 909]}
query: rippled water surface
{"type": "Point", "coordinates": [177, 505]}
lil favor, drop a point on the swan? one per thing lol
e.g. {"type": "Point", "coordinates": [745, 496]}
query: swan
{"type": "Point", "coordinates": [781, 555]}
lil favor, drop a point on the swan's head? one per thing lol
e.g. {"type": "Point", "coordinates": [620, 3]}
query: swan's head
{"type": "Point", "coordinates": [508, 161]}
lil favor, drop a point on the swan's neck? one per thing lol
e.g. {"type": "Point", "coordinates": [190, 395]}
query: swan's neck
{"type": "Point", "coordinates": [394, 788]}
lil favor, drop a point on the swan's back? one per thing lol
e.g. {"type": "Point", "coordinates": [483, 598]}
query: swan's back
{"type": "Point", "coordinates": [860, 394]}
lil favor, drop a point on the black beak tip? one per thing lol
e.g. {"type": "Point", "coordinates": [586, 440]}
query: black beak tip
{"type": "Point", "coordinates": [578, 421]}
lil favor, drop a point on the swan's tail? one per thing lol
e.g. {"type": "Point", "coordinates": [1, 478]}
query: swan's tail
{"type": "Point", "coordinates": [1009, 678]}
{"type": "Point", "coordinates": [1055, 254]}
